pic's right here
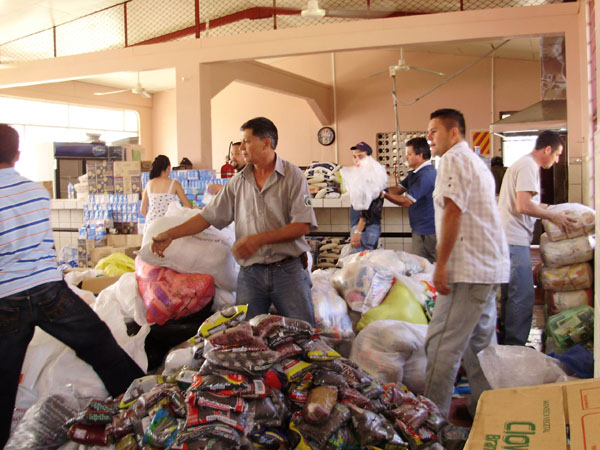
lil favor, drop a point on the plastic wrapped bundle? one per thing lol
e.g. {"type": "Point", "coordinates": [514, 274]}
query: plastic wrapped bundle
{"type": "Point", "coordinates": [393, 351]}
{"type": "Point", "coordinates": [331, 311]}
{"type": "Point", "coordinates": [584, 216]}
{"type": "Point", "coordinates": [567, 251]}
{"type": "Point", "coordinates": [171, 295]}
{"type": "Point", "coordinates": [363, 284]}
{"type": "Point", "coordinates": [567, 278]}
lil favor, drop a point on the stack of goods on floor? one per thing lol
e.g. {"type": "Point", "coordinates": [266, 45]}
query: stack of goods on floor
{"type": "Point", "coordinates": [328, 251]}
{"type": "Point", "coordinates": [323, 179]}
{"type": "Point", "coordinates": [567, 277]}
{"type": "Point", "coordinates": [270, 382]}
{"type": "Point", "coordinates": [386, 298]}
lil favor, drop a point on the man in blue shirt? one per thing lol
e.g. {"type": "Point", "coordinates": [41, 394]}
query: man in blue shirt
{"type": "Point", "coordinates": [33, 293]}
{"type": "Point", "coordinates": [415, 193]}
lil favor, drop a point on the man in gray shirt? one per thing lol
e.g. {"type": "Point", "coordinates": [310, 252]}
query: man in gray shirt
{"type": "Point", "coordinates": [270, 203]}
{"type": "Point", "coordinates": [519, 206]}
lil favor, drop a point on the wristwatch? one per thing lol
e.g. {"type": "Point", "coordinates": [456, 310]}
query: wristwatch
{"type": "Point", "coordinates": [357, 232]}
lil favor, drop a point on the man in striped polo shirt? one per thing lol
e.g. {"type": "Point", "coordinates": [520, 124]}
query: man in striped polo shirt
{"type": "Point", "coordinates": [33, 293]}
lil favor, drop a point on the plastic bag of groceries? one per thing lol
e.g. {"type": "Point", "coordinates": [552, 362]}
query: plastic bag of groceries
{"type": "Point", "coordinates": [585, 218]}
{"type": "Point", "coordinates": [393, 351]}
{"type": "Point", "coordinates": [363, 284]}
{"type": "Point", "coordinates": [364, 182]}
{"type": "Point", "coordinates": [567, 278]}
{"type": "Point", "coordinates": [386, 258]}
{"type": "Point", "coordinates": [331, 311]}
{"type": "Point", "coordinates": [567, 251]}
{"type": "Point", "coordinates": [169, 294]}
{"type": "Point", "coordinates": [400, 303]}
{"type": "Point", "coordinates": [507, 366]}
{"type": "Point", "coordinates": [208, 252]}
{"type": "Point", "coordinates": [557, 302]}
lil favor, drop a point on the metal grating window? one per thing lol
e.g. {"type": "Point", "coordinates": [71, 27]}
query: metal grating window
{"type": "Point", "coordinates": [142, 21]}
{"type": "Point", "coordinates": [147, 19]}
{"type": "Point", "coordinates": [103, 30]}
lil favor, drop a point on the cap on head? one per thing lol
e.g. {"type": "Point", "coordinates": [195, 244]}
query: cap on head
{"type": "Point", "coordinates": [363, 147]}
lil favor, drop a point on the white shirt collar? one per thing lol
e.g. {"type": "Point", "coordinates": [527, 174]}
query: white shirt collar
{"type": "Point", "coordinates": [426, 163]}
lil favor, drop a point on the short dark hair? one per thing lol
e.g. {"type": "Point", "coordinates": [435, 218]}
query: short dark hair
{"type": "Point", "coordinates": [160, 163]}
{"type": "Point", "coordinates": [420, 147]}
{"type": "Point", "coordinates": [9, 143]}
{"type": "Point", "coordinates": [263, 128]}
{"type": "Point", "coordinates": [549, 138]}
{"type": "Point", "coordinates": [237, 143]}
{"type": "Point", "coordinates": [451, 118]}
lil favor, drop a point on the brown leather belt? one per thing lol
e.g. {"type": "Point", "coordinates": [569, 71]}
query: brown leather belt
{"type": "Point", "coordinates": [280, 262]}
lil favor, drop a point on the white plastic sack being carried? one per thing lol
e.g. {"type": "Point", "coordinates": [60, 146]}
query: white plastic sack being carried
{"type": "Point", "coordinates": [208, 252]}
{"type": "Point", "coordinates": [363, 284]}
{"type": "Point", "coordinates": [393, 351]}
{"type": "Point", "coordinates": [567, 278]}
{"type": "Point", "coordinates": [567, 251]}
{"type": "Point", "coordinates": [364, 182]}
{"type": "Point", "coordinates": [585, 218]}
{"type": "Point", "coordinates": [331, 312]}
{"type": "Point", "coordinates": [507, 366]}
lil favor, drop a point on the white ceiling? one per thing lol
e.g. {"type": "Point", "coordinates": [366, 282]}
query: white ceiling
{"type": "Point", "coordinates": [19, 18]}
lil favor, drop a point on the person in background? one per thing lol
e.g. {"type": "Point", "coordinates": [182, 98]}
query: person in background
{"type": "Point", "coordinates": [238, 162]}
{"type": "Point", "coordinates": [185, 164]}
{"type": "Point", "coordinates": [498, 170]}
{"type": "Point", "coordinates": [33, 293]}
{"type": "Point", "coordinates": [519, 205]}
{"type": "Point", "coordinates": [365, 226]}
{"type": "Point", "coordinates": [270, 203]}
{"type": "Point", "coordinates": [161, 191]}
{"type": "Point", "coordinates": [415, 192]}
{"type": "Point", "coordinates": [472, 259]}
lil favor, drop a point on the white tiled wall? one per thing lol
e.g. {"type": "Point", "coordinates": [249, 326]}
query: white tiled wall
{"type": "Point", "coordinates": [337, 218]}
{"type": "Point", "coordinates": [66, 214]}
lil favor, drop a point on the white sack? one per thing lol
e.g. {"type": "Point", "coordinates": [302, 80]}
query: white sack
{"type": "Point", "coordinates": [208, 252]}
{"type": "Point", "coordinates": [393, 351]}
{"type": "Point", "coordinates": [567, 278]}
{"type": "Point", "coordinates": [567, 251]}
{"type": "Point", "coordinates": [585, 218]}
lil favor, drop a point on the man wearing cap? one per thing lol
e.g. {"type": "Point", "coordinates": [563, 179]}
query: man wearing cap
{"type": "Point", "coordinates": [365, 225]}
{"type": "Point", "coordinates": [416, 193]}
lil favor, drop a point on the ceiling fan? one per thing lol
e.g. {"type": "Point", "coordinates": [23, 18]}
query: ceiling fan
{"type": "Point", "coordinates": [403, 67]}
{"type": "Point", "coordinates": [313, 11]}
{"type": "Point", "coordinates": [138, 89]}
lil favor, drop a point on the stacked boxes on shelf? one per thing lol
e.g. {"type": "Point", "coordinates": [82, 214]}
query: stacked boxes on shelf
{"type": "Point", "coordinates": [100, 177]}
{"type": "Point", "coordinates": [193, 182]}
{"type": "Point", "coordinates": [127, 177]}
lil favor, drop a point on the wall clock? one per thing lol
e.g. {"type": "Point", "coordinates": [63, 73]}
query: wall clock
{"type": "Point", "coordinates": [326, 136]}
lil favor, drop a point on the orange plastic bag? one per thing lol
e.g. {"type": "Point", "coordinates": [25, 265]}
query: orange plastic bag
{"type": "Point", "coordinates": [168, 294]}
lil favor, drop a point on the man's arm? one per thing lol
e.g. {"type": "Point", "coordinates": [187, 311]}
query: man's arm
{"type": "Point", "coordinates": [191, 226]}
{"type": "Point", "coordinates": [526, 206]}
{"type": "Point", "coordinates": [450, 228]}
{"type": "Point", "coordinates": [355, 239]}
{"type": "Point", "coordinates": [248, 245]}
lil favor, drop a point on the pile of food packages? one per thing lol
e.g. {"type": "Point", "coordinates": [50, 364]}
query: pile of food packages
{"type": "Point", "coordinates": [270, 382]}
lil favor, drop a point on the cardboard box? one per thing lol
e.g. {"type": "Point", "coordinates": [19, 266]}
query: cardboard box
{"type": "Point", "coordinates": [127, 168]}
{"type": "Point", "coordinates": [49, 187]}
{"type": "Point", "coordinates": [103, 252]}
{"type": "Point", "coordinates": [95, 285]}
{"type": "Point", "coordinates": [536, 417]}
{"type": "Point", "coordinates": [146, 166]}
{"type": "Point", "coordinates": [124, 240]}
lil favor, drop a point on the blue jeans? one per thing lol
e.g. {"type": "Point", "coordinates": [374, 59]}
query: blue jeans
{"type": "Point", "coordinates": [286, 286]}
{"type": "Point", "coordinates": [61, 313]}
{"type": "Point", "coordinates": [517, 298]}
{"type": "Point", "coordinates": [463, 324]}
{"type": "Point", "coordinates": [369, 238]}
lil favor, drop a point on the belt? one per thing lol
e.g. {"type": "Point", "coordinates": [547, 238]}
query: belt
{"type": "Point", "coordinates": [280, 262]}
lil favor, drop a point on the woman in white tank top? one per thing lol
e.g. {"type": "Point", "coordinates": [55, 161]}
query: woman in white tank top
{"type": "Point", "coordinates": [161, 191]}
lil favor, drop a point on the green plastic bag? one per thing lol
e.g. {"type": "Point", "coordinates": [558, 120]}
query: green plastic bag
{"type": "Point", "coordinates": [399, 304]}
{"type": "Point", "coordinates": [116, 264]}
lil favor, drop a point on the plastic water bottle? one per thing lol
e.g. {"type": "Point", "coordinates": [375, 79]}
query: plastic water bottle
{"type": "Point", "coordinates": [70, 190]}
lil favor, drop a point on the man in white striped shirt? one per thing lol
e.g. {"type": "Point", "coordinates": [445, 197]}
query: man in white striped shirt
{"type": "Point", "coordinates": [472, 260]}
{"type": "Point", "coordinates": [33, 293]}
